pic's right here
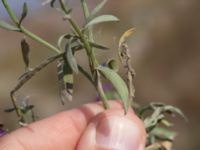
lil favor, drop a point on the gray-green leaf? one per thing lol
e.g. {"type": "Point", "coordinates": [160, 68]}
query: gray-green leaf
{"type": "Point", "coordinates": [70, 57]}
{"type": "Point", "coordinates": [65, 81]}
{"type": "Point", "coordinates": [118, 83]}
{"type": "Point", "coordinates": [97, 9]}
{"type": "Point", "coordinates": [7, 26]}
{"type": "Point", "coordinates": [60, 40]}
{"type": "Point", "coordinates": [95, 45]}
{"type": "Point", "coordinates": [101, 19]}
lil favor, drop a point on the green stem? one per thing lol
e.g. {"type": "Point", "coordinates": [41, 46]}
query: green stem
{"type": "Point", "coordinates": [87, 15]}
{"type": "Point", "coordinates": [26, 32]}
{"type": "Point", "coordinates": [85, 8]}
{"type": "Point", "coordinates": [11, 14]}
{"type": "Point", "coordinates": [32, 36]}
{"type": "Point", "coordinates": [64, 7]}
{"type": "Point", "coordinates": [101, 92]}
{"type": "Point", "coordinates": [39, 40]}
{"type": "Point", "coordinates": [92, 54]}
{"type": "Point", "coordinates": [93, 62]}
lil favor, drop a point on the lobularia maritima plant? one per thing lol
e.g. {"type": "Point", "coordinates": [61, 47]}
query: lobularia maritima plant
{"type": "Point", "coordinates": [159, 136]}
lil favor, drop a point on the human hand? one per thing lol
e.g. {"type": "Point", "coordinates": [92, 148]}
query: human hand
{"type": "Point", "coordinates": [89, 127]}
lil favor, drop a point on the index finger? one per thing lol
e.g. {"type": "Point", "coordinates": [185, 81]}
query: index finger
{"type": "Point", "coordinates": [61, 131]}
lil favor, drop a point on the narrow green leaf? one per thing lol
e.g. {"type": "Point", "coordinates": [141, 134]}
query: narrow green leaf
{"type": "Point", "coordinates": [25, 52]}
{"type": "Point", "coordinates": [152, 121]}
{"type": "Point", "coordinates": [101, 19]}
{"type": "Point", "coordinates": [112, 64]}
{"type": "Point", "coordinates": [24, 13]}
{"type": "Point", "coordinates": [65, 80]}
{"type": "Point", "coordinates": [7, 26]}
{"type": "Point", "coordinates": [85, 8]}
{"type": "Point", "coordinates": [118, 83]}
{"type": "Point", "coordinates": [169, 109]}
{"type": "Point", "coordinates": [95, 45]}
{"type": "Point", "coordinates": [67, 37]}
{"type": "Point", "coordinates": [70, 57]}
{"type": "Point", "coordinates": [97, 9]}
{"type": "Point", "coordinates": [60, 40]}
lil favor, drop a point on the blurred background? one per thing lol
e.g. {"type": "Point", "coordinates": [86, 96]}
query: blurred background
{"type": "Point", "coordinates": [165, 54]}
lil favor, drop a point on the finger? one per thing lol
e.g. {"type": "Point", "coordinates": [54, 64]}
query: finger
{"type": "Point", "coordinates": [112, 130]}
{"type": "Point", "coordinates": [61, 131]}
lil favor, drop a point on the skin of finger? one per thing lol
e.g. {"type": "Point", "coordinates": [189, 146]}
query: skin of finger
{"type": "Point", "coordinates": [61, 131]}
{"type": "Point", "coordinates": [88, 139]}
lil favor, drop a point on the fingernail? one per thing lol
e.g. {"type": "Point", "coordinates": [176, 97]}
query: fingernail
{"type": "Point", "coordinates": [118, 133]}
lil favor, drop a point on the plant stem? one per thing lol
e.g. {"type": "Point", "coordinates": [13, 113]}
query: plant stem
{"type": "Point", "coordinates": [93, 62]}
{"type": "Point", "coordinates": [101, 91]}
{"type": "Point", "coordinates": [87, 15]}
{"type": "Point", "coordinates": [39, 40]}
{"type": "Point", "coordinates": [11, 14]}
{"type": "Point", "coordinates": [32, 36]}
{"type": "Point", "coordinates": [26, 32]}
{"type": "Point", "coordinates": [99, 87]}
{"type": "Point", "coordinates": [17, 108]}
{"type": "Point", "coordinates": [85, 8]}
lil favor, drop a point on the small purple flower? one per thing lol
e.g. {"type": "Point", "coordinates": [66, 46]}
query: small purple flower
{"type": "Point", "coordinates": [109, 91]}
{"type": "Point", "coordinates": [107, 87]}
{"type": "Point", "coordinates": [2, 132]}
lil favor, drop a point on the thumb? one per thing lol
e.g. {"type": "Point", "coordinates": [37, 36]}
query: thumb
{"type": "Point", "coordinates": [112, 130]}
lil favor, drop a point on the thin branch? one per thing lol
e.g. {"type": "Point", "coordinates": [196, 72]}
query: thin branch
{"type": "Point", "coordinates": [27, 76]}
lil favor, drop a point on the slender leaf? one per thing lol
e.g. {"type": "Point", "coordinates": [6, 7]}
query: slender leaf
{"type": "Point", "coordinates": [95, 45]}
{"type": "Point", "coordinates": [168, 109]}
{"type": "Point", "coordinates": [152, 121]}
{"type": "Point", "coordinates": [97, 9]}
{"type": "Point", "coordinates": [158, 114]}
{"type": "Point", "coordinates": [118, 83]}
{"type": "Point", "coordinates": [25, 52]}
{"type": "Point", "coordinates": [65, 80]}
{"type": "Point", "coordinates": [101, 19]}
{"type": "Point", "coordinates": [7, 26]}
{"type": "Point", "coordinates": [67, 37]}
{"type": "Point", "coordinates": [70, 57]}
{"type": "Point", "coordinates": [24, 13]}
{"type": "Point", "coordinates": [60, 40]}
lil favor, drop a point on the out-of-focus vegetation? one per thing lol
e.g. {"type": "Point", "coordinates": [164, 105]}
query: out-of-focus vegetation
{"type": "Point", "coordinates": [165, 52]}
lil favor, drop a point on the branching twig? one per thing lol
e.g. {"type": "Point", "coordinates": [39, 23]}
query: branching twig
{"type": "Point", "coordinates": [27, 76]}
